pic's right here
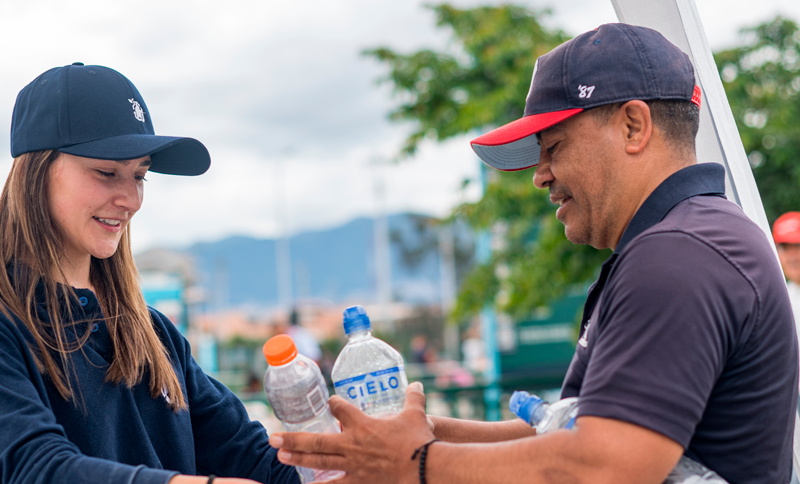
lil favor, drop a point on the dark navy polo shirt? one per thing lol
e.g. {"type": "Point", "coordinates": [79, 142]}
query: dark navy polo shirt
{"type": "Point", "coordinates": [689, 333]}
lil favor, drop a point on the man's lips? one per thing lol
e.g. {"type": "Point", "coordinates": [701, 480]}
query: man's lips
{"type": "Point", "coordinates": [562, 201]}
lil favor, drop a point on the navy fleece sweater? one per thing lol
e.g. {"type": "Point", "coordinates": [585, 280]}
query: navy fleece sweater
{"type": "Point", "coordinates": [120, 434]}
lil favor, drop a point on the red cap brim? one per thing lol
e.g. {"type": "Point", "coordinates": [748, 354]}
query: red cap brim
{"type": "Point", "coordinates": [513, 147]}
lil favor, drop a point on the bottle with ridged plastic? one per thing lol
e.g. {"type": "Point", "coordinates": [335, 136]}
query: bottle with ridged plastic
{"type": "Point", "coordinates": [545, 417]}
{"type": "Point", "coordinates": [298, 395]}
{"type": "Point", "coordinates": [368, 372]}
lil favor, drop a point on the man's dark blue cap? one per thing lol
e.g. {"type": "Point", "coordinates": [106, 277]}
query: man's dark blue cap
{"type": "Point", "coordinates": [96, 112]}
{"type": "Point", "coordinates": [614, 63]}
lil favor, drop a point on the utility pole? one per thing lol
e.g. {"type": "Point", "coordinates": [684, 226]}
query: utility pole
{"type": "Point", "coordinates": [447, 287]}
{"type": "Point", "coordinates": [488, 318]}
{"type": "Point", "coordinates": [383, 255]}
{"type": "Point", "coordinates": [283, 255]}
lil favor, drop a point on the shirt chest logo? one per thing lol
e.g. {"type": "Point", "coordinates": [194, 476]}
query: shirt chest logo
{"type": "Point", "coordinates": [165, 394]}
{"type": "Point", "coordinates": [584, 341]}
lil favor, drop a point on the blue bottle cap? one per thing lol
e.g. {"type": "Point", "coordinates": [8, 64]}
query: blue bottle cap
{"type": "Point", "coordinates": [527, 407]}
{"type": "Point", "coordinates": [356, 319]}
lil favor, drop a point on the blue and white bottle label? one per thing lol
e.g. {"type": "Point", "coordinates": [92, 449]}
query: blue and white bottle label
{"type": "Point", "coordinates": [374, 389]}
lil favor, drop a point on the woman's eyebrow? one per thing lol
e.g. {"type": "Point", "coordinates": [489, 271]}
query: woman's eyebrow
{"type": "Point", "coordinates": [147, 162]}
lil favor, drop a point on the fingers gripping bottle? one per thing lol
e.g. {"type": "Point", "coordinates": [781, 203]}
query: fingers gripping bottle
{"type": "Point", "coordinates": [368, 372]}
{"type": "Point", "coordinates": [545, 418]}
{"type": "Point", "coordinates": [298, 395]}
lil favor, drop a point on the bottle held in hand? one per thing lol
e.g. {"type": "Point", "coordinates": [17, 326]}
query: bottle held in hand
{"type": "Point", "coordinates": [368, 372]}
{"type": "Point", "coordinates": [298, 395]}
{"type": "Point", "coordinates": [545, 417]}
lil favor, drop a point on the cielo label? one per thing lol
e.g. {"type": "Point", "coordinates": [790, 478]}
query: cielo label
{"type": "Point", "coordinates": [374, 388]}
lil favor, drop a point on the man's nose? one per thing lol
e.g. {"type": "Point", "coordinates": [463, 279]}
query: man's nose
{"type": "Point", "coordinates": [543, 177]}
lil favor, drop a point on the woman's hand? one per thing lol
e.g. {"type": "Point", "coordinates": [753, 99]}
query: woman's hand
{"type": "Point", "coordinates": [184, 479]}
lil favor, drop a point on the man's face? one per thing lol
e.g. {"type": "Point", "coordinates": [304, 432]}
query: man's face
{"type": "Point", "coordinates": [578, 167]}
{"type": "Point", "coordinates": [789, 254]}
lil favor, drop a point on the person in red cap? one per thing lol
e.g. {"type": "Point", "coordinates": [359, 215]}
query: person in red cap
{"type": "Point", "coordinates": [786, 233]}
{"type": "Point", "coordinates": [686, 345]}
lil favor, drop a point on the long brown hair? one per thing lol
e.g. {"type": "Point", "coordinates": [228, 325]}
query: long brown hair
{"type": "Point", "coordinates": [30, 247]}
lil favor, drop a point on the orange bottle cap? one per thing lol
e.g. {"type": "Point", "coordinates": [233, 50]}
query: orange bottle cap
{"type": "Point", "coordinates": [280, 350]}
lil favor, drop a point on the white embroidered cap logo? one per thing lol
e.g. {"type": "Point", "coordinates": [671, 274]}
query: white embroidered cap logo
{"type": "Point", "coordinates": [138, 112]}
{"type": "Point", "coordinates": [586, 91]}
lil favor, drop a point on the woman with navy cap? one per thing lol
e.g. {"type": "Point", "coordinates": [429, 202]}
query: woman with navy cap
{"type": "Point", "coordinates": [94, 385]}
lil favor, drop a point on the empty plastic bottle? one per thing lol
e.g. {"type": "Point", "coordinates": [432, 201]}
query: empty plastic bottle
{"type": "Point", "coordinates": [545, 417]}
{"type": "Point", "coordinates": [298, 395]}
{"type": "Point", "coordinates": [368, 372]}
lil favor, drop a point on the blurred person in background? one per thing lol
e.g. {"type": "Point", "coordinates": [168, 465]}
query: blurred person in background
{"type": "Point", "coordinates": [786, 233]}
{"type": "Point", "coordinates": [95, 386]}
{"type": "Point", "coordinates": [305, 341]}
{"type": "Point", "coordinates": [419, 346]}
{"type": "Point", "coordinates": [474, 351]}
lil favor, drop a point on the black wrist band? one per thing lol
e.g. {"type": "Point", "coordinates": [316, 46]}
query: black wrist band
{"type": "Point", "coordinates": [211, 478]}
{"type": "Point", "coordinates": [422, 451]}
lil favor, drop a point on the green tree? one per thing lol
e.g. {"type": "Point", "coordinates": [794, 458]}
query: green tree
{"type": "Point", "coordinates": [762, 83]}
{"type": "Point", "coordinates": [481, 85]}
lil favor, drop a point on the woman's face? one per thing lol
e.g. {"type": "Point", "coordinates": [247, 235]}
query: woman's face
{"type": "Point", "coordinates": [92, 201]}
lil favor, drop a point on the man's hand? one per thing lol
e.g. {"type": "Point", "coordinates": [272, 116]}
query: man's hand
{"type": "Point", "coordinates": [368, 449]}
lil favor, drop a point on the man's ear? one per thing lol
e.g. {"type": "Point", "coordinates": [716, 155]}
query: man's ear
{"type": "Point", "coordinates": [637, 125]}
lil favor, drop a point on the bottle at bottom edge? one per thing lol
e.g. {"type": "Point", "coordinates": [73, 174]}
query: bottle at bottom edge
{"type": "Point", "coordinates": [545, 417]}
{"type": "Point", "coordinates": [298, 395]}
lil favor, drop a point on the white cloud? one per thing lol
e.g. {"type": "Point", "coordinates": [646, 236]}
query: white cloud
{"type": "Point", "coordinates": [266, 82]}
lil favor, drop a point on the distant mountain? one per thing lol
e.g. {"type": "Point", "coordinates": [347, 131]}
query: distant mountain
{"type": "Point", "coordinates": [335, 265]}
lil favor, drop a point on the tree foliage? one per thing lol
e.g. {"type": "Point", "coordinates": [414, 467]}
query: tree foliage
{"type": "Point", "coordinates": [484, 83]}
{"type": "Point", "coordinates": [762, 83]}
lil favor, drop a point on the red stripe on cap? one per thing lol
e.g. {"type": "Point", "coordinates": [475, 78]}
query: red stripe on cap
{"type": "Point", "coordinates": [696, 96]}
{"type": "Point", "coordinates": [516, 130]}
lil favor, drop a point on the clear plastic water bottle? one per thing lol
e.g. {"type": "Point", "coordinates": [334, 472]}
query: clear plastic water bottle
{"type": "Point", "coordinates": [545, 417]}
{"type": "Point", "coordinates": [368, 372]}
{"type": "Point", "coordinates": [298, 395]}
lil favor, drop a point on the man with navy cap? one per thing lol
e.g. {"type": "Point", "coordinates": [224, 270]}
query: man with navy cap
{"type": "Point", "coordinates": [686, 345]}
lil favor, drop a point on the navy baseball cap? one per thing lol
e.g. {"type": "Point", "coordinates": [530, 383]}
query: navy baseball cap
{"type": "Point", "coordinates": [96, 112]}
{"type": "Point", "coordinates": [614, 63]}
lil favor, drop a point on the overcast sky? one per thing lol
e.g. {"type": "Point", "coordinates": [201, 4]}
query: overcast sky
{"type": "Point", "coordinates": [282, 98]}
